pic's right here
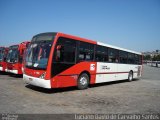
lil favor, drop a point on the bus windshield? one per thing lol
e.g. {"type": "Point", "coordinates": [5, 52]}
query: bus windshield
{"type": "Point", "coordinates": [37, 54]}
{"type": "Point", "coordinates": [12, 56]}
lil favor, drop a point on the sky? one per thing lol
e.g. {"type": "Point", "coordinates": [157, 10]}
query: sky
{"type": "Point", "coordinates": [130, 24]}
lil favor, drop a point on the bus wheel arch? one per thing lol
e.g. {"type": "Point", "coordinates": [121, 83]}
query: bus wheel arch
{"type": "Point", "coordinates": [83, 80]}
{"type": "Point", "coordinates": [130, 76]}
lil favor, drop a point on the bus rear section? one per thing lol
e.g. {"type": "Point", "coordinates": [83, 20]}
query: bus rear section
{"type": "Point", "coordinates": [56, 60]}
{"type": "Point", "coordinates": [3, 55]}
{"type": "Point", "coordinates": [15, 58]}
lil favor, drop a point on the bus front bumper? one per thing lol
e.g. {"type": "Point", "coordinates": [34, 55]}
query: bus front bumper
{"type": "Point", "coordinates": [36, 81]}
{"type": "Point", "coordinates": [11, 71]}
{"type": "Point", "coordinates": [1, 68]}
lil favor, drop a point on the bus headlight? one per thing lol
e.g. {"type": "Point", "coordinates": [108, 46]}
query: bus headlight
{"type": "Point", "coordinates": [43, 75]}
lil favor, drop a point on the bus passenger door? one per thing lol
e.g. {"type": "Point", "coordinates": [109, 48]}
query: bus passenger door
{"type": "Point", "coordinates": [64, 58]}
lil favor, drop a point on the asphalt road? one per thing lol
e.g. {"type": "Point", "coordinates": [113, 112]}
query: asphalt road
{"type": "Point", "coordinates": [139, 96]}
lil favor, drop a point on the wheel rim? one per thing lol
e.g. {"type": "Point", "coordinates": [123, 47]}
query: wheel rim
{"type": "Point", "coordinates": [83, 81]}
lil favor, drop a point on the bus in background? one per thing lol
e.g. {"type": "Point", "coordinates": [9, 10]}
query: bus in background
{"type": "Point", "coordinates": [3, 55]}
{"type": "Point", "coordinates": [55, 60]}
{"type": "Point", "coordinates": [15, 58]}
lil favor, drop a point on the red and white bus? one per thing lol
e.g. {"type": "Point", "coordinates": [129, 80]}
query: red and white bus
{"type": "Point", "coordinates": [15, 58]}
{"type": "Point", "coordinates": [3, 55]}
{"type": "Point", "coordinates": [56, 60]}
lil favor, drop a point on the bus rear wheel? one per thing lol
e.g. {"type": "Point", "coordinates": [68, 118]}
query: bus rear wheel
{"type": "Point", "coordinates": [130, 76]}
{"type": "Point", "coordinates": [83, 81]}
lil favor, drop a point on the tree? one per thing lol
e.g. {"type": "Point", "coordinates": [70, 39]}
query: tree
{"type": "Point", "coordinates": [147, 57]}
{"type": "Point", "coordinates": [156, 58]}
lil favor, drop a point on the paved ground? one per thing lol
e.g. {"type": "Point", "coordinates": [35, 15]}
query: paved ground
{"type": "Point", "coordinates": [140, 96]}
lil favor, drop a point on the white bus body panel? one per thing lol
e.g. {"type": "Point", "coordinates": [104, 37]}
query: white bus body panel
{"type": "Point", "coordinates": [103, 69]}
{"type": "Point", "coordinates": [114, 71]}
{"type": "Point", "coordinates": [125, 69]}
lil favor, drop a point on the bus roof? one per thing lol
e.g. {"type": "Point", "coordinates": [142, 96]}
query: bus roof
{"type": "Point", "coordinates": [100, 43]}
{"type": "Point", "coordinates": [13, 46]}
{"type": "Point", "coordinates": [119, 48]}
{"type": "Point", "coordinates": [89, 41]}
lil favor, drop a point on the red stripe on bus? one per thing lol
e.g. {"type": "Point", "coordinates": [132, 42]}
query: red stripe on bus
{"type": "Point", "coordinates": [96, 73]}
{"type": "Point", "coordinates": [114, 72]}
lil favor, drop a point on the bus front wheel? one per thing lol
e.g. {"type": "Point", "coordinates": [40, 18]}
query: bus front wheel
{"type": "Point", "coordinates": [83, 81]}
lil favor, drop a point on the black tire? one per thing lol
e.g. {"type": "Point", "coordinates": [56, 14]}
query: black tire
{"type": "Point", "coordinates": [83, 81]}
{"type": "Point", "coordinates": [130, 76]}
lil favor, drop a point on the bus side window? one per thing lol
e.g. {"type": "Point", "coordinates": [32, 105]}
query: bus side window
{"type": "Point", "coordinates": [81, 56]}
{"type": "Point", "coordinates": [131, 58]}
{"type": "Point", "coordinates": [123, 57]}
{"type": "Point", "coordinates": [101, 54]}
{"type": "Point", "coordinates": [140, 59]}
{"type": "Point", "coordinates": [136, 59]}
{"type": "Point", "coordinates": [86, 51]}
{"type": "Point", "coordinates": [113, 55]}
{"type": "Point", "coordinates": [65, 50]}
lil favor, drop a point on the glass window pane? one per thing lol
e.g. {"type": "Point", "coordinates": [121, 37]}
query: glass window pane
{"type": "Point", "coordinates": [131, 58]}
{"type": "Point", "coordinates": [123, 56]}
{"type": "Point", "coordinates": [113, 55]}
{"type": "Point", "coordinates": [67, 51]}
{"type": "Point", "coordinates": [86, 51]}
{"type": "Point", "coordinates": [101, 54]}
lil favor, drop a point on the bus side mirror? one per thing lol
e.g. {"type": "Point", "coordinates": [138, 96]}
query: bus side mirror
{"type": "Point", "coordinates": [58, 52]}
{"type": "Point", "coordinates": [59, 47]}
